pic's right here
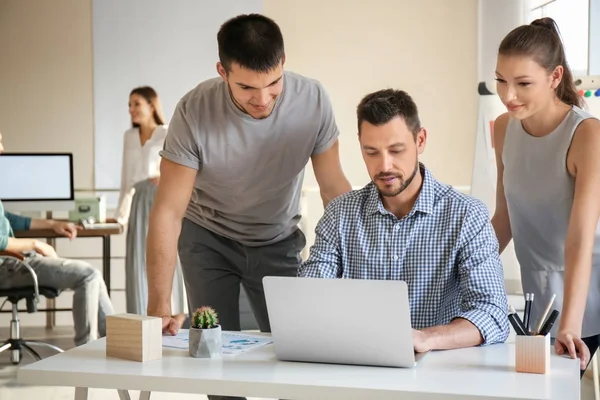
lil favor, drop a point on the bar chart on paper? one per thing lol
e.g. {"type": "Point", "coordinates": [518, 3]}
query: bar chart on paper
{"type": "Point", "coordinates": [233, 342]}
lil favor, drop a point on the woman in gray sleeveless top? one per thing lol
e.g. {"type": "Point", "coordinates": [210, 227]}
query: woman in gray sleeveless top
{"type": "Point", "coordinates": [548, 189]}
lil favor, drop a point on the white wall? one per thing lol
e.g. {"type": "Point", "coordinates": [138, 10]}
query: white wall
{"type": "Point", "coordinates": [594, 39]}
{"type": "Point", "coordinates": [572, 18]}
{"type": "Point", "coordinates": [496, 19]}
{"type": "Point", "coordinates": [169, 45]}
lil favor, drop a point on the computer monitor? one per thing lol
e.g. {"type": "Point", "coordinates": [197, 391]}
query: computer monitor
{"type": "Point", "coordinates": [37, 181]}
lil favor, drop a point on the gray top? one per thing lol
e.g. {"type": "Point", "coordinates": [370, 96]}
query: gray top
{"type": "Point", "coordinates": [250, 171]}
{"type": "Point", "coordinates": [539, 193]}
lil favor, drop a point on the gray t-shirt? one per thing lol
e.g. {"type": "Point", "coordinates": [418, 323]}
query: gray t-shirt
{"type": "Point", "coordinates": [250, 171]}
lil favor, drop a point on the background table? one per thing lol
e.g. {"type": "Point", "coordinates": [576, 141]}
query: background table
{"type": "Point", "coordinates": [465, 374]}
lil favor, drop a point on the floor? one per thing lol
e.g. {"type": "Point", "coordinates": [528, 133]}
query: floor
{"type": "Point", "coordinates": [62, 337]}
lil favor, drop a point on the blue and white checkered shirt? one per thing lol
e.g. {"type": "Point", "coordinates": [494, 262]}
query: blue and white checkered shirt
{"type": "Point", "coordinates": [445, 249]}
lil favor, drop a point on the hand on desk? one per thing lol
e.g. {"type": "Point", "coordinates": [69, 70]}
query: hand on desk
{"type": "Point", "coordinates": [574, 346]}
{"type": "Point", "coordinates": [420, 341]}
{"type": "Point", "coordinates": [170, 324]}
{"type": "Point", "coordinates": [65, 228]}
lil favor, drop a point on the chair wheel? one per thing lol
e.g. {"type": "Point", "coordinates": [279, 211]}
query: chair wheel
{"type": "Point", "coordinates": [16, 356]}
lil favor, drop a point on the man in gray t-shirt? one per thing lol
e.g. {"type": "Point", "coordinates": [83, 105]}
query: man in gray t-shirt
{"type": "Point", "coordinates": [231, 176]}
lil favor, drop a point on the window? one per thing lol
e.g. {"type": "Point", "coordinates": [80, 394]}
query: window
{"type": "Point", "coordinates": [572, 18]}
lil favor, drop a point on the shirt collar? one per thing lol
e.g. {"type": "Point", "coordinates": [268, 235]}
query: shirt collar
{"type": "Point", "coordinates": [425, 199]}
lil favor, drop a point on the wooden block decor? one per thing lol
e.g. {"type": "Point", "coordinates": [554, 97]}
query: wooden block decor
{"type": "Point", "coordinates": [134, 337]}
{"type": "Point", "coordinates": [532, 354]}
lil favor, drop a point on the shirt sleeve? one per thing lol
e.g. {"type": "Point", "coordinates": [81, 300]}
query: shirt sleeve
{"type": "Point", "coordinates": [483, 296]}
{"type": "Point", "coordinates": [328, 129]}
{"type": "Point", "coordinates": [324, 260]}
{"type": "Point", "coordinates": [18, 222]}
{"type": "Point", "coordinates": [180, 145]}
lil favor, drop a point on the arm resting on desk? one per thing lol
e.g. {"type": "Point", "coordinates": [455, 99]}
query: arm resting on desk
{"type": "Point", "coordinates": [457, 334]}
{"type": "Point", "coordinates": [484, 308]}
{"type": "Point", "coordinates": [324, 260]}
{"type": "Point", "coordinates": [18, 222]}
{"type": "Point", "coordinates": [42, 224]}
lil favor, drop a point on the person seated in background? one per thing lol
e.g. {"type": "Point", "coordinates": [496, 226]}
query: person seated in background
{"type": "Point", "coordinates": [405, 225]}
{"type": "Point", "coordinates": [91, 303]}
{"type": "Point", "coordinates": [141, 145]}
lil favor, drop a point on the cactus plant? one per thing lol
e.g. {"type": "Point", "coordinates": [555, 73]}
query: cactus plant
{"type": "Point", "coordinates": [205, 317]}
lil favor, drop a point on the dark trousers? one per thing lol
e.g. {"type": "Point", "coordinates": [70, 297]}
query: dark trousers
{"type": "Point", "coordinates": [214, 268]}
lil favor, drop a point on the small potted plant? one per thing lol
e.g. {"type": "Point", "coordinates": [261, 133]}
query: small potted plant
{"type": "Point", "coordinates": [205, 339]}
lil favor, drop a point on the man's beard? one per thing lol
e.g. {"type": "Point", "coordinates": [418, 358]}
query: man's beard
{"type": "Point", "coordinates": [404, 183]}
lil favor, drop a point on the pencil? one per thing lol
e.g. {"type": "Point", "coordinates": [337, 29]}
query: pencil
{"type": "Point", "coordinates": [545, 314]}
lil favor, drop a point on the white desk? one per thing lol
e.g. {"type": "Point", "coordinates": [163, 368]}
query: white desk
{"type": "Point", "coordinates": [466, 374]}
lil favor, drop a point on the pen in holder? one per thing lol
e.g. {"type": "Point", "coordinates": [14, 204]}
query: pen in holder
{"type": "Point", "coordinates": [532, 353]}
{"type": "Point", "coordinates": [532, 346]}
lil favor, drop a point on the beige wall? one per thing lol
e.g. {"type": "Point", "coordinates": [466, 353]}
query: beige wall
{"type": "Point", "coordinates": [46, 80]}
{"type": "Point", "coordinates": [426, 47]}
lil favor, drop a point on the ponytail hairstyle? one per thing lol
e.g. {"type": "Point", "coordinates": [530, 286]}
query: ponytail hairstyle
{"type": "Point", "coordinates": [542, 42]}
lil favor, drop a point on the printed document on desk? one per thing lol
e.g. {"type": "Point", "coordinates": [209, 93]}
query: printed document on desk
{"type": "Point", "coordinates": [233, 342]}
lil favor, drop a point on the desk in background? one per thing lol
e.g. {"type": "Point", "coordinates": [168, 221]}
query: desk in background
{"type": "Point", "coordinates": [51, 237]}
{"type": "Point", "coordinates": [465, 374]}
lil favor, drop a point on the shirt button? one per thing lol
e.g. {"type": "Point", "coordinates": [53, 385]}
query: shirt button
{"type": "Point", "coordinates": [395, 258]}
{"type": "Point", "coordinates": [397, 226]}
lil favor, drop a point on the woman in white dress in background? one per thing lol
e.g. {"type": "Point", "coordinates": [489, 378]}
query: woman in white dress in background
{"type": "Point", "coordinates": [141, 161]}
{"type": "Point", "coordinates": [141, 146]}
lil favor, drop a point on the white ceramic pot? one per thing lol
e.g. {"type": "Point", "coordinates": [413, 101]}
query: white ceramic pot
{"type": "Point", "coordinates": [206, 343]}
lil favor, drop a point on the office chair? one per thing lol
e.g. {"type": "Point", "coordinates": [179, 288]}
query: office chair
{"type": "Point", "coordinates": [31, 295]}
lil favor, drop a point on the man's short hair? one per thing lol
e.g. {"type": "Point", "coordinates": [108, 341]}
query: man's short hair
{"type": "Point", "coordinates": [379, 108]}
{"type": "Point", "coordinates": [253, 41]}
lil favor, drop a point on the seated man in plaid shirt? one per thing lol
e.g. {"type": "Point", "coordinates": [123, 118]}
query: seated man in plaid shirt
{"type": "Point", "coordinates": [405, 225]}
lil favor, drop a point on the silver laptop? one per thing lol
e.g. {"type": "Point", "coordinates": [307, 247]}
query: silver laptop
{"type": "Point", "coordinates": [340, 321]}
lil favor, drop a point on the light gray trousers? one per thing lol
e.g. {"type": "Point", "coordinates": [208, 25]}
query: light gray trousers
{"type": "Point", "coordinates": [91, 303]}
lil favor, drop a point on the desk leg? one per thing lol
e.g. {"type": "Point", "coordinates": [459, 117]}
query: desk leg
{"type": "Point", "coordinates": [106, 261]}
{"type": "Point", "coordinates": [51, 303]}
{"type": "Point", "coordinates": [81, 393]}
{"type": "Point", "coordinates": [124, 395]}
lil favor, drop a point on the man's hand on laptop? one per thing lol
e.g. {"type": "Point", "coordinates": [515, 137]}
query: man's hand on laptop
{"type": "Point", "coordinates": [420, 341]}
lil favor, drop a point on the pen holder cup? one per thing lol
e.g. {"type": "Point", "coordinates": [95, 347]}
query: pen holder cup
{"type": "Point", "coordinates": [532, 354]}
